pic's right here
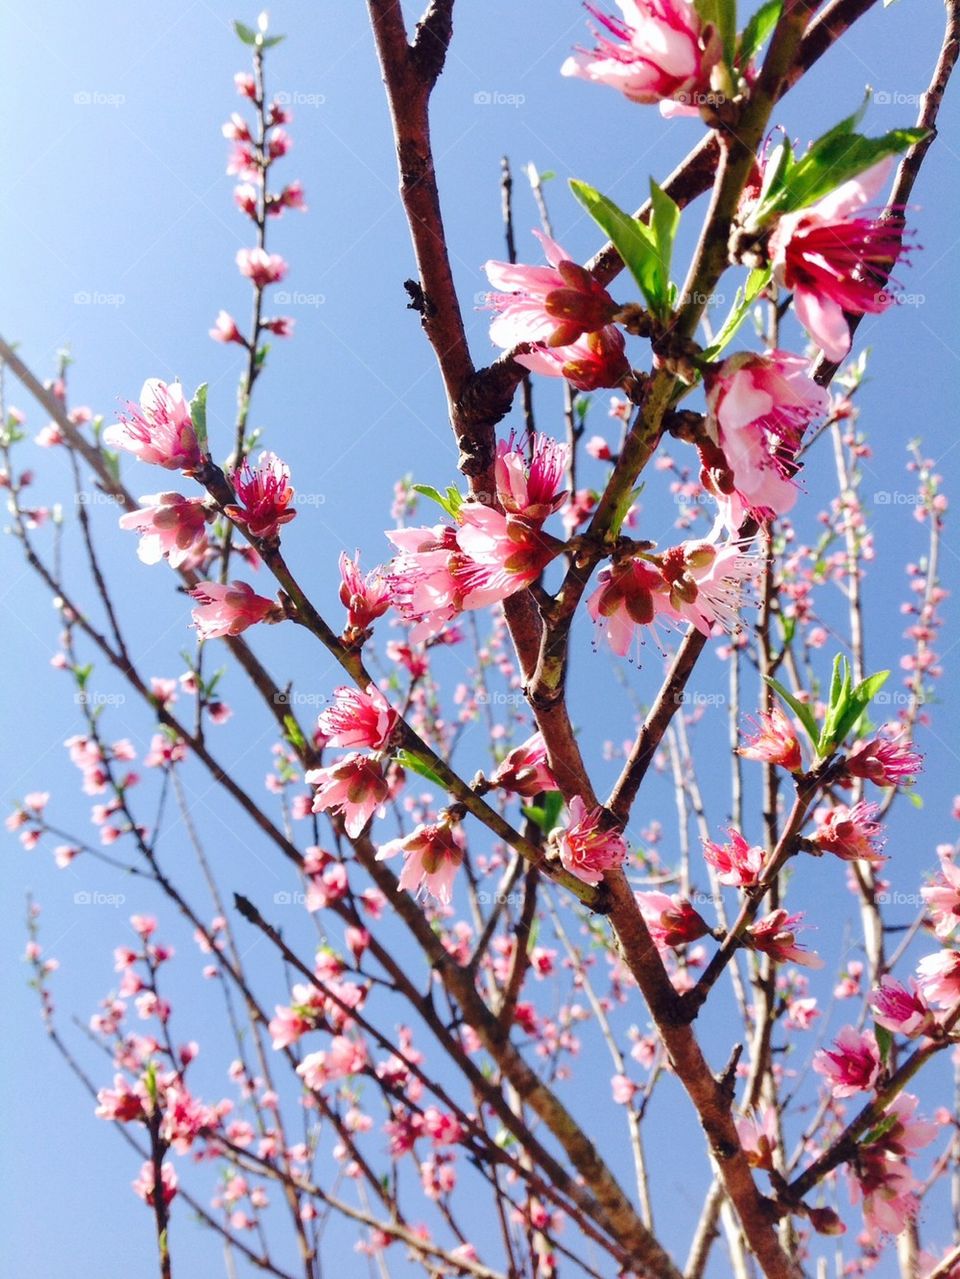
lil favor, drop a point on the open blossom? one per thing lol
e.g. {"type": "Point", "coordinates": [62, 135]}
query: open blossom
{"type": "Point", "coordinates": [121, 1103]}
{"type": "Point", "coordinates": [942, 897]}
{"type": "Point", "coordinates": [344, 1057]}
{"type": "Point", "coordinates": [260, 267]}
{"type": "Point", "coordinates": [775, 935]}
{"type": "Point", "coordinates": [358, 719]}
{"type": "Point", "coordinates": [160, 430]}
{"type": "Point", "coordinates": [852, 1065]}
{"type": "Point", "coordinates": [432, 854]}
{"type": "Point", "coordinates": [587, 848]}
{"type": "Point", "coordinates": [364, 598]}
{"type": "Point", "coordinates": [881, 1176]}
{"type": "Point", "coordinates": [657, 54]}
{"type": "Point", "coordinates": [900, 1010]}
{"type": "Point", "coordinates": [851, 834]}
{"type": "Point", "coordinates": [264, 496]}
{"type": "Point", "coordinates": [552, 304]}
{"type": "Point", "coordinates": [593, 361]}
{"type": "Point", "coordinates": [525, 770]}
{"type": "Point", "coordinates": [354, 787]}
{"type": "Point", "coordinates": [836, 260]}
{"type": "Point", "coordinates": [170, 526]}
{"type": "Point", "coordinates": [938, 978]}
{"type": "Point", "coordinates": [672, 921]}
{"type": "Point", "coordinates": [145, 1184]}
{"type": "Point", "coordinates": [229, 608]}
{"type": "Point", "coordinates": [629, 595]}
{"type": "Point", "coordinates": [774, 741]}
{"type": "Point", "coordinates": [532, 489]}
{"type": "Point", "coordinates": [758, 407]}
{"type": "Point", "coordinates": [707, 583]}
{"type": "Point", "coordinates": [225, 329]}
{"type": "Point", "coordinates": [737, 863]}
{"type": "Point", "coordinates": [884, 762]}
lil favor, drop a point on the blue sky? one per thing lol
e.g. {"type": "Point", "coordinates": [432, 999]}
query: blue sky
{"type": "Point", "coordinates": [119, 242]}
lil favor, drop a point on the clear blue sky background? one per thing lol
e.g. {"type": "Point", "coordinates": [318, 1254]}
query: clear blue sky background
{"type": "Point", "coordinates": [114, 188]}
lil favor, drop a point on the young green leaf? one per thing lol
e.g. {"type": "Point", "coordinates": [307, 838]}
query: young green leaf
{"type": "Point", "coordinates": [803, 713]}
{"type": "Point", "coordinates": [198, 416]}
{"type": "Point", "coordinates": [754, 34]}
{"type": "Point", "coordinates": [756, 282]}
{"type": "Point", "coordinates": [633, 240]}
{"type": "Point", "coordinates": [415, 765]}
{"type": "Point", "coordinates": [246, 34]}
{"type": "Point", "coordinates": [450, 502]}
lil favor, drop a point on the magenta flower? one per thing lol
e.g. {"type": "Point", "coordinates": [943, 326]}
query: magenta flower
{"type": "Point", "coordinates": [629, 595]}
{"type": "Point", "coordinates": [264, 494]}
{"type": "Point", "coordinates": [260, 267]}
{"type": "Point", "coordinates": [938, 978]}
{"type": "Point", "coordinates": [229, 608]}
{"type": "Point", "coordinates": [225, 329]}
{"type": "Point", "coordinates": [775, 935]}
{"type": "Point", "coordinates": [852, 834]}
{"type": "Point", "coordinates": [737, 863]}
{"type": "Point", "coordinates": [432, 854]}
{"type": "Point", "coordinates": [532, 490]}
{"type": "Point", "coordinates": [587, 848]}
{"type": "Point", "coordinates": [354, 787]}
{"type": "Point", "coordinates": [835, 261]}
{"type": "Point", "coordinates": [501, 554]}
{"type": "Point", "coordinates": [852, 1065]}
{"type": "Point", "coordinates": [672, 921]}
{"type": "Point", "coordinates": [419, 580]}
{"type": "Point", "coordinates": [160, 430]}
{"type": "Point", "coordinates": [758, 408]}
{"type": "Point", "coordinates": [554, 304]}
{"type": "Point", "coordinates": [525, 771]}
{"type": "Point", "coordinates": [344, 1057]}
{"type": "Point", "coordinates": [884, 762]}
{"type": "Point", "coordinates": [364, 598]}
{"type": "Point", "coordinates": [170, 526]}
{"type": "Point", "coordinates": [707, 583]}
{"type": "Point", "coordinates": [593, 361]}
{"type": "Point", "coordinates": [145, 1183]}
{"type": "Point", "coordinates": [900, 1010]}
{"type": "Point", "coordinates": [658, 54]}
{"type": "Point", "coordinates": [758, 1138]}
{"type": "Point", "coordinates": [774, 741]}
{"type": "Point", "coordinates": [358, 719]}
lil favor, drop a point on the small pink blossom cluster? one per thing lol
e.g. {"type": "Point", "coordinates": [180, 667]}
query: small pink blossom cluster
{"type": "Point", "coordinates": [355, 787]}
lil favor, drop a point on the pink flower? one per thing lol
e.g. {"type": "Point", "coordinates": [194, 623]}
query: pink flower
{"type": "Point", "coordinates": [525, 770]}
{"type": "Point", "coordinates": [419, 580]}
{"type": "Point", "coordinates": [280, 326]}
{"type": "Point", "coordinates": [225, 329]}
{"type": "Point", "coordinates": [344, 1057]}
{"type": "Point", "coordinates": [354, 787]}
{"type": "Point", "coordinates": [531, 491]}
{"type": "Point", "coordinates": [553, 304]}
{"type": "Point", "coordinates": [884, 762]}
{"type": "Point", "coordinates": [170, 526]}
{"type": "Point", "coordinates": [943, 895]}
{"type": "Point", "coordinates": [851, 834]}
{"type": "Point", "coordinates": [229, 608]}
{"type": "Point", "coordinates": [623, 1089]}
{"type": "Point", "coordinates": [160, 430]}
{"type": "Point", "coordinates": [835, 261]}
{"type": "Point", "coordinates": [264, 494]}
{"type": "Point", "coordinates": [501, 554]}
{"type": "Point", "coordinates": [587, 848]}
{"type": "Point", "coordinates": [774, 742]}
{"type": "Point", "coordinates": [758, 408]}
{"type": "Point", "coordinates": [431, 857]}
{"type": "Point", "coordinates": [260, 267]}
{"type": "Point", "coordinates": [758, 1138]}
{"type": "Point", "coordinates": [938, 978]}
{"type": "Point", "coordinates": [593, 361]}
{"type": "Point", "coordinates": [358, 719]}
{"type": "Point", "coordinates": [736, 863]}
{"type": "Point", "coordinates": [707, 583]}
{"type": "Point", "coordinates": [775, 935]}
{"type": "Point", "coordinates": [145, 1183]}
{"type": "Point", "coordinates": [657, 54]}
{"type": "Point", "coordinates": [672, 921]}
{"type": "Point", "coordinates": [245, 84]}
{"type": "Point", "coordinates": [629, 595]}
{"type": "Point", "coordinates": [121, 1103]}
{"type": "Point", "coordinates": [852, 1066]}
{"type": "Point", "coordinates": [364, 598]}
{"type": "Point", "coordinates": [887, 1188]}
{"type": "Point", "coordinates": [900, 1010]}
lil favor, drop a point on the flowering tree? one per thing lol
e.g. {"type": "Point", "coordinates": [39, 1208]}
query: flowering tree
{"type": "Point", "coordinates": [407, 1058]}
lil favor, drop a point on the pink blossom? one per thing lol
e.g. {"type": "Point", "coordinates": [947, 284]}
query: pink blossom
{"type": "Point", "coordinates": [737, 863]}
{"type": "Point", "coordinates": [593, 361]}
{"type": "Point", "coordinates": [160, 430]}
{"type": "Point", "coordinates": [852, 834]}
{"type": "Point", "coordinates": [532, 490]}
{"type": "Point", "coordinates": [260, 267]}
{"type": "Point", "coordinates": [121, 1103]}
{"type": "Point", "coordinates": [554, 305]}
{"type": "Point", "coordinates": [145, 1184]}
{"type": "Point", "coordinates": [774, 741]}
{"type": "Point", "coordinates": [501, 554]}
{"type": "Point", "coordinates": [354, 787]}
{"type": "Point", "coordinates": [263, 496]}
{"type": "Point", "coordinates": [888, 1190]}
{"type": "Point", "coordinates": [525, 770]}
{"type": "Point", "coordinates": [659, 53]}
{"type": "Point", "coordinates": [280, 326]}
{"type": "Point", "coordinates": [758, 408]}
{"type": "Point", "coordinates": [229, 608]}
{"type": "Point", "coordinates": [758, 1138]}
{"type": "Point", "coordinates": [358, 719]}
{"type": "Point", "coordinates": [943, 895]}
{"type": "Point", "coordinates": [837, 261]}
{"type": "Point", "coordinates": [707, 583]}
{"type": "Point", "coordinates": [170, 526]}
{"type": "Point", "coordinates": [852, 1065]}
{"type": "Point", "coordinates": [623, 1089]}
{"type": "Point", "coordinates": [775, 935]}
{"type": "Point", "coordinates": [431, 857]}
{"type": "Point", "coordinates": [344, 1057]}
{"type": "Point", "coordinates": [629, 595]}
{"type": "Point", "coordinates": [225, 329]}
{"type": "Point", "coordinates": [364, 598]}
{"type": "Point", "coordinates": [672, 921]}
{"type": "Point", "coordinates": [900, 1010]}
{"type": "Point", "coordinates": [245, 84]}
{"type": "Point", "coordinates": [938, 978]}
{"type": "Point", "coordinates": [884, 762]}
{"type": "Point", "coordinates": [587, 847]}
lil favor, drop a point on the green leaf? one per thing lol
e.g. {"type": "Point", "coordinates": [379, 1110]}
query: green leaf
{"type": "Point", "coordinates": [721, 14]}
{"type": "Point", "coordinates": [884, 1041]}
{"type": "Point", "coordinates": [915, 799]}
{"type": "Point", "coordinates": [803, 713]}
{"type": "Point", "coordinates": [269, 41]}
{"type": "Point", "coordinates": [415, 765]}
{"type": "Point", "coordinates": [857, 701]}
{"type": "Point", "coordinates": [198, 416]}
{"type": "Point", "coordinates": [757, 29]}
{"type": "Point", "coordinates": [634, 241]}
{"type": "Point", "coordinates": [294, 734]}
{"type": "Point", "coordinates": [246, 34]}
{"type": "Point", "coordinates": [664, 222]}
{"type": "Point", "coordinates": [622, 508]}
{"type": "Point", "coordinates": [450, 502]}
{"type": "Point", "coordinates": [547, 815]}
{"type": "Point", "coordinates": [756, 282]}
